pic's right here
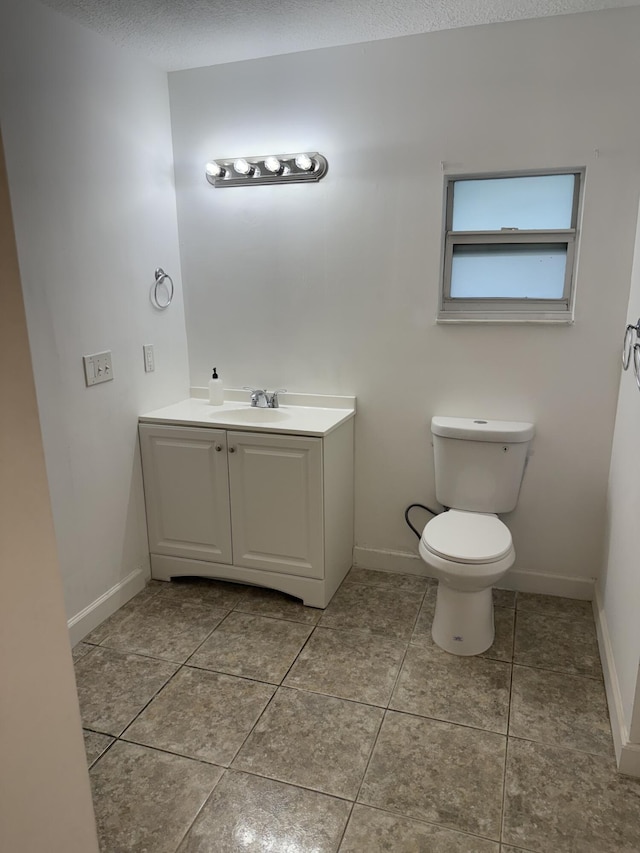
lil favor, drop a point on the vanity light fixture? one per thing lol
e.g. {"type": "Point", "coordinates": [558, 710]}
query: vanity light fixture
{"type": "Point", "coordinates": [271, 169]}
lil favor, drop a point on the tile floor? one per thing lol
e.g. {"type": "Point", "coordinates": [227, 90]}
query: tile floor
{"type": "Point", "coordinates": [228, 718]}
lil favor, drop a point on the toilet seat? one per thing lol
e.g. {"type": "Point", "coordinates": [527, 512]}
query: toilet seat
{"type": "Point", "coordinates": [471, 538]}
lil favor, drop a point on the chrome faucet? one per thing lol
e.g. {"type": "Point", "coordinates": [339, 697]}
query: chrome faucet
{"type": "Point", "coordinates": [262, 399]}
{"type": "Point", "coordinates": [258, 397]}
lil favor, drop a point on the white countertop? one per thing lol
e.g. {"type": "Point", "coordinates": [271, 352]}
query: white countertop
{"type": "Point", "coordinates": [298, 414]}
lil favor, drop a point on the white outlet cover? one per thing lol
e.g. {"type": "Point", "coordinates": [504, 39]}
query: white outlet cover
{"type": "Point", "coordinates": [149, 359]}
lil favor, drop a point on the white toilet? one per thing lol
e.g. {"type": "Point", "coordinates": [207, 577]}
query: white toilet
{"type": "Point", "coordinates": [479, 467]}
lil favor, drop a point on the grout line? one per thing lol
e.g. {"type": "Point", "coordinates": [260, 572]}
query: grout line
{"type": "Point", "coordinates": [102, 754]}
{"type": "Point", "coordinates": [293, 662]}
{"type": "Point", "coordinates": [346, 825]}
{"type": "Point", "coordinates": [305, 622]}
{"type": "Point", "coordinates": [563, 672]}
{"type": "Point", "coordinates": [332, 696]}
{"type": "Point", "coordinates": [506, 749]}
{"type": "Point", "coordinates": [254, 726]}
{"type": "Point", "coordinates": [166, 751]}
{"type": "Point", "coordinates": [211, 632]}
{"type": "Point", "coordinates": [290, 784]}
{"type": "Point", "coordinates": [251, 678]}
{"type": "Point", "coordinates": [446, 722]}
{"type": "Point", "coordinates": [159, 690]}
{"type": "Point", "coordinates": [200, 810]}
{"type": "Point", "coordinates": [560, 746]}
{"type": "Point", "coordinates": [424, 821]}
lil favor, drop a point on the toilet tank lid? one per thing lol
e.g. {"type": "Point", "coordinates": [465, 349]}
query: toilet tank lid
{"type": "Point", "coordinates": [479, 429]}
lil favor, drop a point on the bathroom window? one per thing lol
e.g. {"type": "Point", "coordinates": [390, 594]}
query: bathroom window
{"type": "Point", "coordinates": [510, 247]}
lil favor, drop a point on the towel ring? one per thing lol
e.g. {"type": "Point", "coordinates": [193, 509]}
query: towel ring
{"type": "Point", "coordinates": [162, 278]}
{"type": "Point", "coordinates": [636, 363]}
{"type": "Point", "coordinates": [627, 345]}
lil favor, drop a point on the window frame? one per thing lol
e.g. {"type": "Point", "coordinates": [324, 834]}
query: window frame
{"type": "Point", "coordinates": [503, 309]}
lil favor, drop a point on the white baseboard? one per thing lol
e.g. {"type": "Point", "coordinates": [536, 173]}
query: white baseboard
{"type": "Point", "coordinates": [411, 564]}
{"type": "Point", "coordinates": [96, 612]}
{"type": "Point", "coordinates": [400, 562]}
{"type": "Point", "coordinates": [545, 584]}
{"type": "Point", "coordinates": [627, 753]}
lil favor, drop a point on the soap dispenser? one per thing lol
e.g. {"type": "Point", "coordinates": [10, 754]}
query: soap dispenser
{"type": "Point", "coordinates": [216, 391]}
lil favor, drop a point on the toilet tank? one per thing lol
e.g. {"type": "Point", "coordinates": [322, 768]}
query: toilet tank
{"type": "Point", "coordinates": [479, 464]}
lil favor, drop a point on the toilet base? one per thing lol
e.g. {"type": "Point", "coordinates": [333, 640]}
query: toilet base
{"type": "Point", "coordinates": [463, 621]}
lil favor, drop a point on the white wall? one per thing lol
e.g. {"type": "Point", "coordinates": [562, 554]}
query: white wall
{"type": "Point", "coordinates": [619, 585]}
{"type": "Point", "coordinates": [89, 158]}
{"type": "Point", "coordinates": [332, 288]}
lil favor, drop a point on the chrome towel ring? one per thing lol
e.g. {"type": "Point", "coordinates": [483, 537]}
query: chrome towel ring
{"type": "Point", "coordinates": [163, 282]}
{"type": "Point", "coordinates": [630, 349]}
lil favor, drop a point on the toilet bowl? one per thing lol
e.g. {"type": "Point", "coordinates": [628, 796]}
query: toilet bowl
{"type": "Point", "coordinates": [468, 552]}
{"type": "Point", "coordinates": [479, 465]}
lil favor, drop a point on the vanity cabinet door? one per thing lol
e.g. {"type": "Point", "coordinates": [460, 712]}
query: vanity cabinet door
{"type": "Point", "coordinates": [186, 482]}
{"type": "Point", "coordinates": [277, 503]}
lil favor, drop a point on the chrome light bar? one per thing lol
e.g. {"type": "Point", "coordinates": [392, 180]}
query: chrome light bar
{"type": "Point", "coordinates": [270, 169]}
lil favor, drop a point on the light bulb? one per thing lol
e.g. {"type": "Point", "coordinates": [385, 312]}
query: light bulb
{"type": "Point", "coordinates": [304, 162]}
{"type": "Point", "coordinates": [243, 168]}
{"type": "Point", "coordinates": [213, 169]}
{"type": "Point", "coordinates": [272, 164]}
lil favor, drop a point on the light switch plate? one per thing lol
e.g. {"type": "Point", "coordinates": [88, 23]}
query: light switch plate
{"type": "Point", "coordinates": [97, 367]}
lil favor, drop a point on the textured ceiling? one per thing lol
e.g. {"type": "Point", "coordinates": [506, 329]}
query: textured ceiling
{"type": "Point", "coordinates": [176, 34]}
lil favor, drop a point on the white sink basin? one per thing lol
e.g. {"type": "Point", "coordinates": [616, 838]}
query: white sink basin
{"type": "Point", "coordinates": [250, 415]}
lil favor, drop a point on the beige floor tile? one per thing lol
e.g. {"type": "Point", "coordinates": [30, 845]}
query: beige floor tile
{"type": "Point", "coordinates": [471, 691]}
{"type": "Point", "coordinates": [111, 624]}
{"type": "Point", "coordinates": [252, 646]}
{"type": "Point", "coordinates": [508, 849]}
{"type": "Point", "coordinates": [145, 800]}
{"type": "Point", "coordinates": [165, 628]}
{"type": "Point", "coordinates": [504, 598]}
{"type": "Point", "coordinates": [422, 630]}
{"type": "Point", "coordinates": [218, 594]}
{"type": "Point", "coordinates": [95, 744]}
{"type": "Point", "coordinates": [556, 708]}
{"type": "Point", "coordinates": [554, 605]}
{"type": "Point", "coordinates": [315, 741]}
{"type": "Point", "coordinates": [439, 772]}
{"type": "Point", "coordinates": [373, 831]}
{"type": "Point", "coordinates": [348, 664]}
{"type": "Point", "coordinates": [504, 620]}
{"type": "Point", "coordinates": [378, 610]}
{"type": "Point", "coordinates": [251, 813]}
{"type": "Point", "coordinates": [202, 715]}
{"type": "Point", "coordinates": [559, 644]}
{"type": "Point", "coordinates": [565, 801]}
{"type": "Point", "coordinates": [113, 688]}
{"type": "Point", "coordinates": [277, 605]}
{"type": "Point", "coordinates": [80, 650]}
{"type": "Point", "coordinates": [391, 580]}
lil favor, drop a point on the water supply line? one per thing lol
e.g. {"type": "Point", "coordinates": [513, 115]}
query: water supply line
{"type": "Point", "coordinates": [422, 506]}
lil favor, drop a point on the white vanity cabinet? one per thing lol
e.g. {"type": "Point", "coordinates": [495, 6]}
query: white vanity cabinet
{"type": "Point", "coordinates": [270, 509]}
